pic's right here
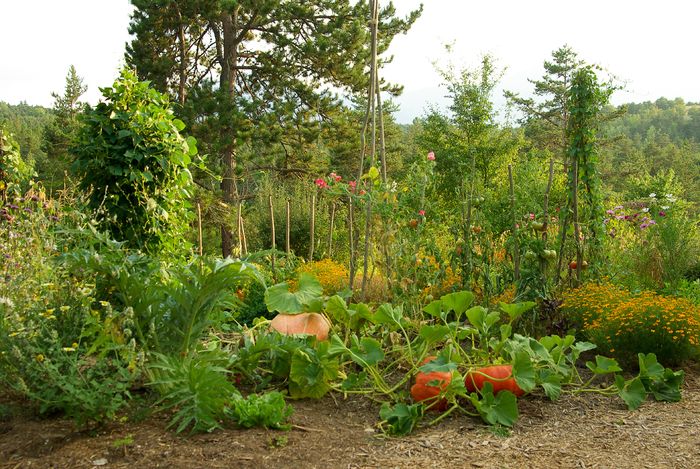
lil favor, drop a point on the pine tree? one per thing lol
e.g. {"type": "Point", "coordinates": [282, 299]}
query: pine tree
{"type": "Point", "coordinates": [59, 134]}
{"type": "Point", "coordinates": [254, 70]}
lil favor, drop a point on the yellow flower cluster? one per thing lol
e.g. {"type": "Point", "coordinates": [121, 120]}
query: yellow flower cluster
{"type": "Point", "coordinates": [506, 296]}
{"type": "Point", "coordinates": [332, 275]}
{"type": "Point", "coordinates": [625, 324]}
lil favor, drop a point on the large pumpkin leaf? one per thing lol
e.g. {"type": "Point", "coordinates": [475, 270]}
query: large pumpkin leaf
{"type": "Point", "coordinates": [311, 372]}
{"type": "Point", "coordinates": [668, 387]}
{"type": "Point", "coordinates": [632, 391]}
{"type": "Point", "coordinates": [369, 350]}
{"type": "Point", "coordinates": [496, 410]}
{"type": "Point", "coordinates": [401, 418]}
{"type": "Point", "coordinates": [457, 301]}
{"type": "Point", "coordinates": [337, 309]}
{"type": "Point", "coordinates": [515, 310]}
{"type": "Point", "coordinates": [279, 298]}
{"type": "Point", "coordinates": [551, 383]}
{"type": "Point", "coordinates": [388, 315]}
{"type": "Point", "coordinates": [603, 365]}
{"type": "Point", "coordinates": [523, 372]}
{"type": "Point", "coordinates": [433, 334]}
{"type": "Point", "coordinates": [434, 308]}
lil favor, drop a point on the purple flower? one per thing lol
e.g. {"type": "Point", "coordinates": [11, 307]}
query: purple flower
{"type": "Point", "coordinates": [662, 213]}
{"type": "Point", "coordinates": [610, 212]}
{"type": "Point", "coordinates": [643, 226]}
{"type": "Point", "coordinates": [619, 207]}
{"type": "Point", "coordinates": [652, 222]}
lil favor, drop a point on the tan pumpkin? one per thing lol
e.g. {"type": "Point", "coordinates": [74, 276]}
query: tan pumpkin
{"type": "Point", "coordinates": [303, 323]}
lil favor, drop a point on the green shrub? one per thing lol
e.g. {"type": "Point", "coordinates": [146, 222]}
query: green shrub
{"type": "Point", "coordinates": [131, 156]}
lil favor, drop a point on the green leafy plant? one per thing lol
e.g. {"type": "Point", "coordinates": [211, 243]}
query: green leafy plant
{"type": "Point", "coordinates": [267, 410]}
{"type": "Point", "coordinates": [195, 387]}
{"type": "Point", "coordinates": [131, 156]}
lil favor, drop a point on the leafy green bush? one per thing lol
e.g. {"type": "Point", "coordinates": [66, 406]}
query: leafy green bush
{"type": "Point", "coordinates": [267, 410]}
{"type": "Point", "coordinates": [14, 171]}
{"type": "Point", "coordinates": [195, 387]}
{"type": "Point", "coordinates": [130, 154]}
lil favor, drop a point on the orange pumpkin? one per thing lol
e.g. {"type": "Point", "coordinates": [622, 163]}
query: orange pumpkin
{"type": "Point", "coordinates": [423, 391]}
{"type": "Point", "coordinates": [303, 323]}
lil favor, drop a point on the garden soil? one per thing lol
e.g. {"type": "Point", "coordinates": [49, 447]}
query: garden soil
{"type": "Point", "coordinates": [583, 431]}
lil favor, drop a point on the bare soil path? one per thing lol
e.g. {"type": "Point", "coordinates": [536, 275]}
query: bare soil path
{"type": "Point", "coordinates": [574, 432]}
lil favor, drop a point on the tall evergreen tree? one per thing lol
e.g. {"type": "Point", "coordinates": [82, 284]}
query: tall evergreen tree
{"type": "Point", "coordinates": [246, 70]}
{"type": "Point", "coordinates": [59, 134]}
{"type": "Point", "coordinates": [547, 117]}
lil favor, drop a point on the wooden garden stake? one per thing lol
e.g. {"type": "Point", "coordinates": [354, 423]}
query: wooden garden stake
{"type": "Point", "coordinates": [289, 217]}
{"type": "Point", "coordinates": [351, 280]}
{"type": "Point", "coordinates": [330, 231]}
{"type": "Point", "coordinates": [382, 144]}
{"type": "Point", "coordinates": [272, 229]}
{"type": "Point", "coordinates": [199, 228]}
{"type": "Point", "coordinates": [245, 240]}
{"type": "Point", "coordinates": [239, 222]}
{"type": "Point", "coordinates": [313, 227]}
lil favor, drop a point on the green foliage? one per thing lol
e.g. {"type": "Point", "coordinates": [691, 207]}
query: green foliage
{"type": "Point", "coordinates": [195, 387]}
{"type": "Point", "coordinates": [501, 409]}
{"type": "Point", "coordinates": [311, 371]}
{"type": "Point", "coordinates": [172, 312]}
{"type": "Point", "coordinates": [652, 242]}
{"type": "Point", "coordinates": [14, 172]}
{"type": "Point", "coordinates": [401, 419]}
{"type": "Point", "coordinates": [279, 298]}
{"type": "Point", "coordinates": [267, 410]}
{"type": "Point", "coordinates": [26, 124]}
{"type": "Point", "coordinates": [130, 154]}
{"type": "Point", "coordinates": [59, 347]}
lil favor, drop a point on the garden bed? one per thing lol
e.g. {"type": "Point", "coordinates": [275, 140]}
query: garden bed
{"type": "Point", "coordinates": [577, 431]}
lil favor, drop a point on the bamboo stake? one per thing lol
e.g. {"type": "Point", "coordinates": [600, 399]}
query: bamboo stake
{"type": "Point", "coordinates": [245, 240]}
{"type": "Point", "coordinates": [382, 144]}
{"type": "Point", "coordinates": [351, 280]}
{"type": "Point", "coordinates": [239, 222]}
{"type": "Point", "coordinates": [289, 218]}
{"type": "Point", "coordinates": [516, 251]}
{"type": "Point", "coordinates": [371, 104]}
{"type": "Point", "coordinates": [199, 228]}
{"type": "Point", "coordinates": [330, 231]}
{"type": "Point", "coordinates": [272, 228]}
{"type": "Point", "coordinates": [313, 227]}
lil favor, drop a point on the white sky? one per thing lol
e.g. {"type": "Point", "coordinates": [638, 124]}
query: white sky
{"type": "Point", "coordinates": [650, 45]}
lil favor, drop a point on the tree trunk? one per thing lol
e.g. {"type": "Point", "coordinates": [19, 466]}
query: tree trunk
{"type": "Point", "coordinates": [227, 132]}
